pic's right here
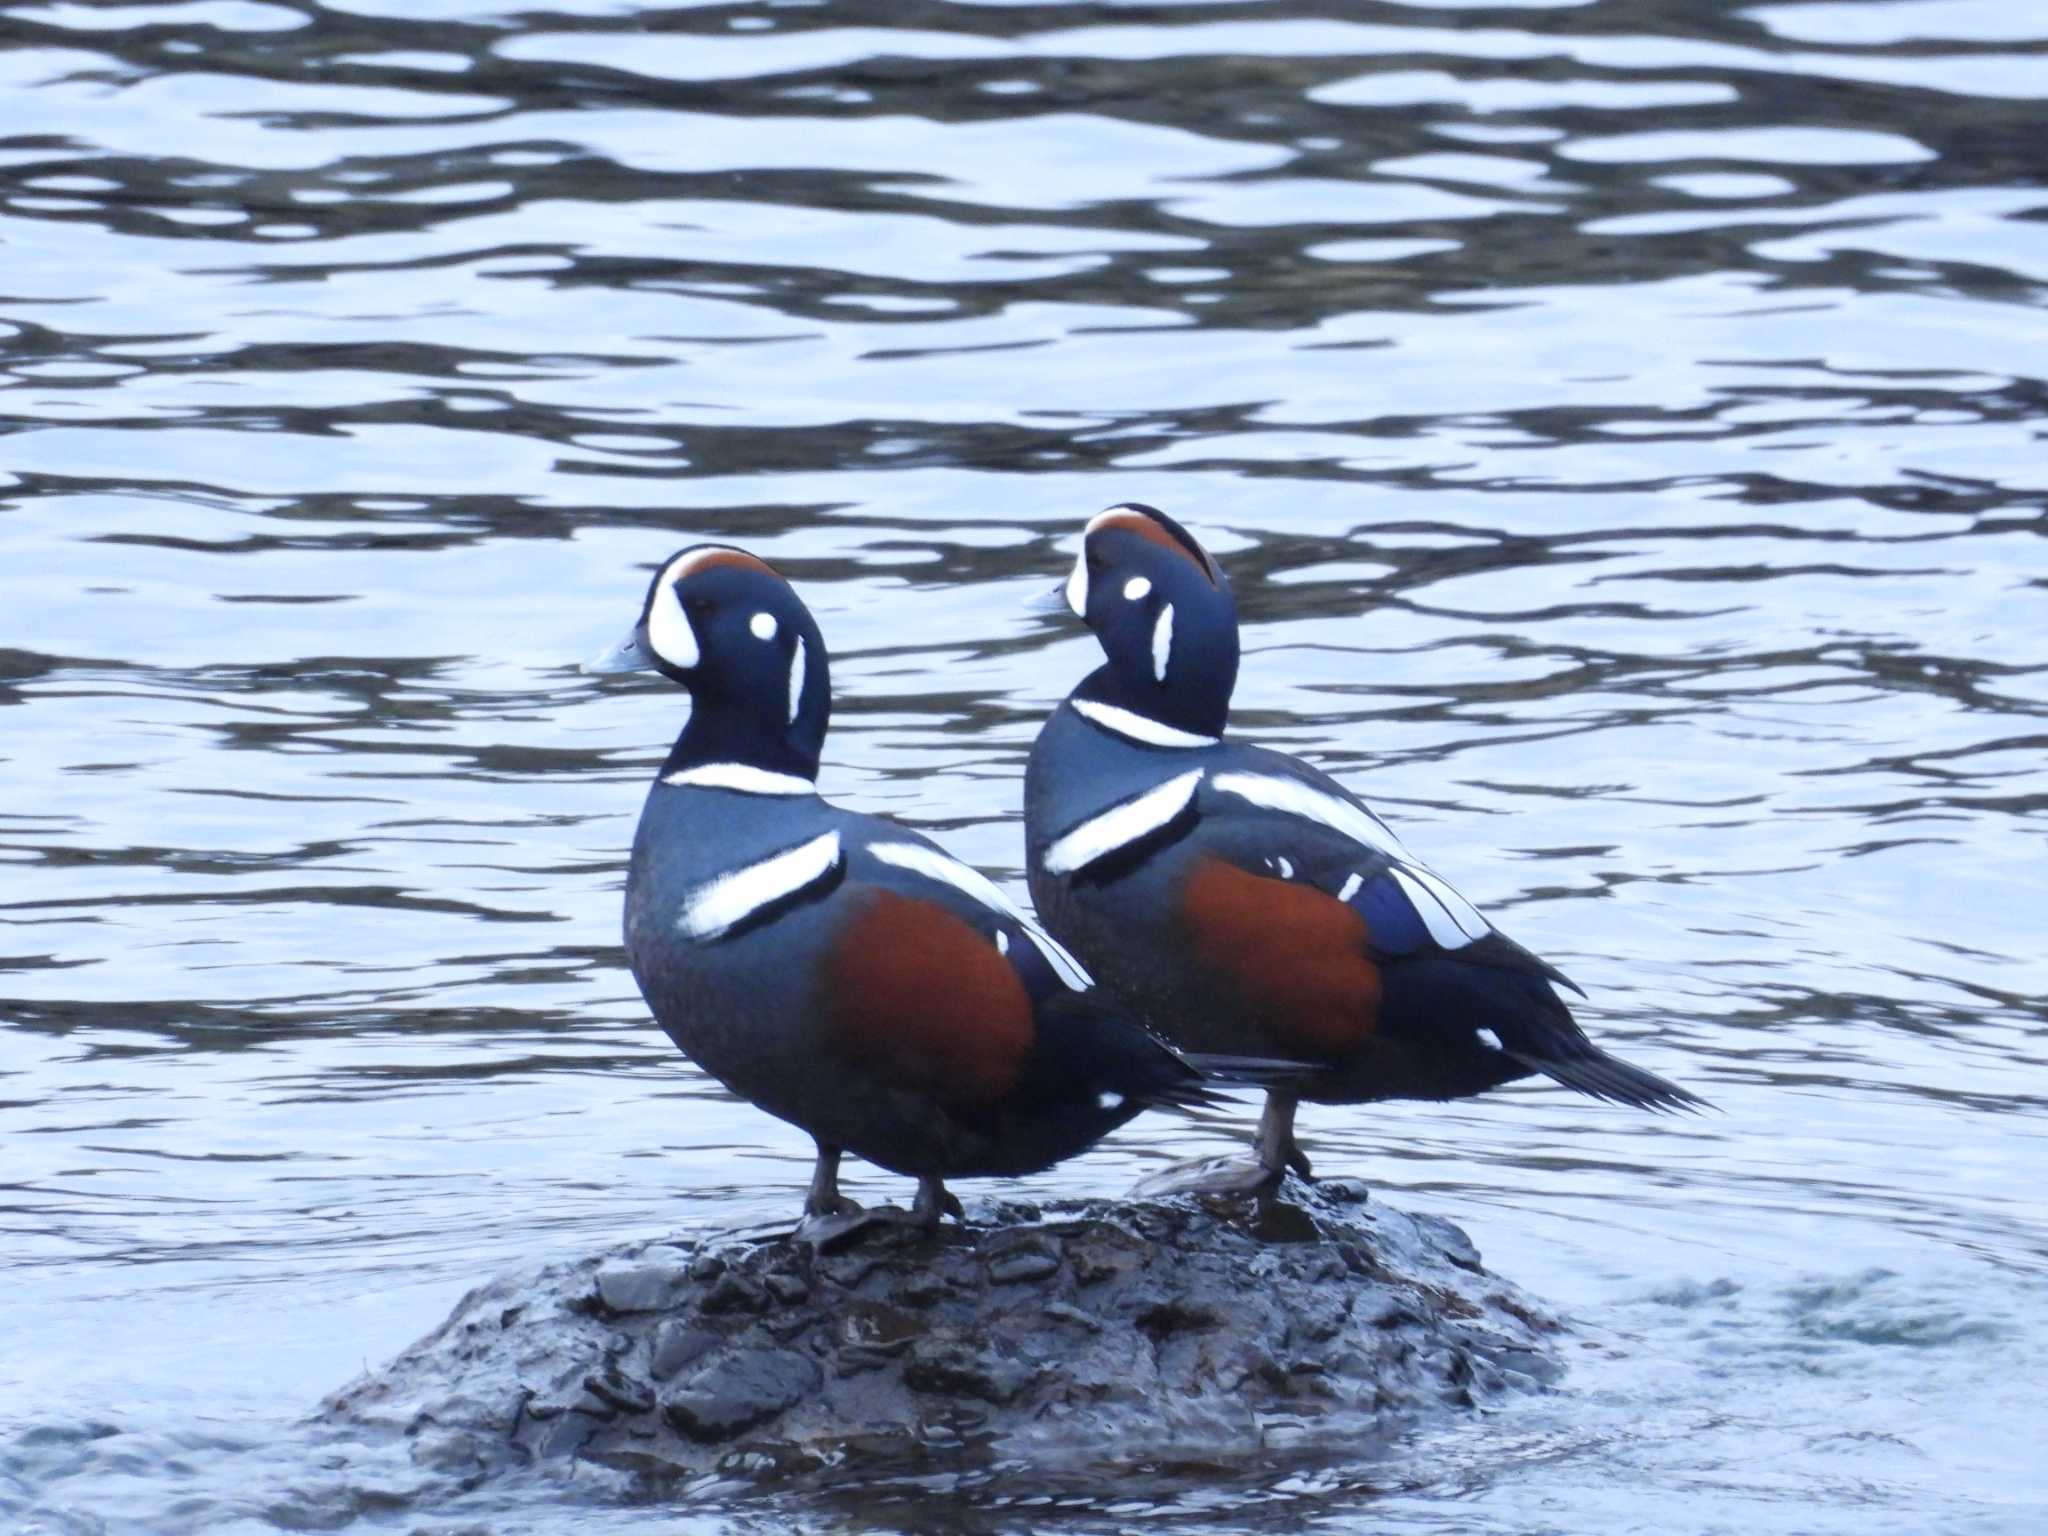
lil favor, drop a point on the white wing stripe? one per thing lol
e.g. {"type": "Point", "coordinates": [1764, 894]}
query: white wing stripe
{"type": "Point", "coordinates": [1463, 913]}
{"type": "Point", "coordinates": [1294, 798]}
{"type": "Point", "coordinates": [720, 905]}
{"type": "Point", "coordinates": [934, 865]}
{"type": "Point", "coordinates": [1441, 926]}
{"type": "Point", "coordinates": [1121, 825]}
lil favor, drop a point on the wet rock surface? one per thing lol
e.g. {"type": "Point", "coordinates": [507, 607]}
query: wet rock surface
{"type": "Point", "coordinates": [1079, 1332]}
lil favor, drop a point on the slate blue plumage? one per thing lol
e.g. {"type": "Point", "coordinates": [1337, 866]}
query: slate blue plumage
{"type": "Point", "coordinates": [837, 970]}
{"type": "Point", "coordinates": [1240, 900]}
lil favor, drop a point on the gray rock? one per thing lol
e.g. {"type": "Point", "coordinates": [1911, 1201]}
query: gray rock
{"type": "Point", "coordinates": [1086, 1335]}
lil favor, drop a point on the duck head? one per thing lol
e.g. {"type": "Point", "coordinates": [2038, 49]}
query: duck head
{"type": "Point", "coordinates": [1162, 610]}
{"type": "Point", "coordinates": [725, 625]}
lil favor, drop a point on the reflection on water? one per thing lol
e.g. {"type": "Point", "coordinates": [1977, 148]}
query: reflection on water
{"type": "Point", "coordinates": [1623, 423]}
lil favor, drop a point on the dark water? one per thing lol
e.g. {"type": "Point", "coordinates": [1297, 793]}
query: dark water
{"type": "Point", "coordinates": [1623, 422]}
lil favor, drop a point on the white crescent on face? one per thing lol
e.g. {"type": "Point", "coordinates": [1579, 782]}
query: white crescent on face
{"type": "Point", "coordinates": [1077, 584]}
{"type": "Point", "coordinates": [669, 634]}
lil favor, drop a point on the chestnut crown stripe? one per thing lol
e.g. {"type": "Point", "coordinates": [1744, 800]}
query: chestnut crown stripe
{"type": "Point", "coordinates": [1130, 519]}
{"type": "Point", "coordinates": [670, 634]}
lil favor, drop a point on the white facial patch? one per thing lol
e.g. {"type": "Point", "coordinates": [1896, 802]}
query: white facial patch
{"type": "Point", "coordinates": [1137, 589]}
{"type": "Point", "coordinates": [1139, 728]}
{"type": "Point", "coordinates": [718, 906]}
{"type": "Point", "coordinates": [1121, 825]}
{"type": "Point", "coordinates": [1291, 797]}
{"type": "Point", "coordinates": [797, 664]}
{"type": "Point", "coordinates": [1162, 642]}
{"type": "Point", "coordinates": [742, 777]}
{"type": "Point", "coordinates": [1077, 584]}
{"type": "Point", "coordinates": [763, 626]}
{"type": "Point", "coordinates": [669, 634]}
{"type": "Point", "coordinates": [934, 865]}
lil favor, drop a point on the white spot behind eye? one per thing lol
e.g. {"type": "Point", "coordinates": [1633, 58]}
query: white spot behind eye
{"type": "Point", "coordinates": [1077, 586]}
{"type": "Point", "coordinates": [1162, 642]}
{"type": "Point", "coordinates": [668, 628]}
{"type": "Point", "coordinates": [796, 679]}
{"type": "Point", "coordinates": [763, 625]}
{"type": "Point", "coordinates": [1136, 588]}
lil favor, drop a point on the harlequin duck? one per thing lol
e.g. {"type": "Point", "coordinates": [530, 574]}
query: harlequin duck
{"type": "Point", "coordinates": [1239, 900]}
{"type": "Point", "coordinates": [837, 970]}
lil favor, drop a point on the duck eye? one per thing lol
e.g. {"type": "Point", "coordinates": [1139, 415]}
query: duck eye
{"type": "Point", "coordinates": [697, 604]}
{"type": "Point", "coordinates": [1136, 588]}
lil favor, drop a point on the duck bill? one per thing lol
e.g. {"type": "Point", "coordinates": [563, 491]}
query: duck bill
{"type": "Point", "coordinates": [629, 655]}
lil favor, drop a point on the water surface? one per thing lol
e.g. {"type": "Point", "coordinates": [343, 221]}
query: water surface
{"type": "Point", "coordinates": [1622, 422]}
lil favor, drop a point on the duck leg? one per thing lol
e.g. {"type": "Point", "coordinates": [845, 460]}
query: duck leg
{"type": "Point", "coordinates": [1278, 1151]}
{"type": "Point", "coordinates": [1274, 1155]}
{"type": "Point", "coordinates": [824, 1198]}
{"type": "Point", "coordinates": [829, 1216]}
{"type": "Point", "coordinates": [934, 1203]}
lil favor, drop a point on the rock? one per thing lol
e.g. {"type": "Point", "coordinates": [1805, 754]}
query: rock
{"type": "Point", "coordinates": [738, 1392]}
{"type": "Point", "coordinates": [1087, 1334]}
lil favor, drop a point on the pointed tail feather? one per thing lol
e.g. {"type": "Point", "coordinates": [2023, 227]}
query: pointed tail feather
{"type": "Point", "coordinates": [1251, 1071]}
{"type": "Point", "coordinates": [1607, 1077]}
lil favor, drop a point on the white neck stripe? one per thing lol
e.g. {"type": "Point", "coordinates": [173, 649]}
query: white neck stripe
{"type": "Point", "coordinates": [744, 777]}
{"type": "Point", "coordinates": [1141, 728]}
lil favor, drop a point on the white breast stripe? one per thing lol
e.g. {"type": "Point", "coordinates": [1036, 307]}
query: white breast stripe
{"type": "Point", "coordinates": [1294, 798]}
{"type": "Point", "coordinates": [934, 865]}
{"type": "Point", "coordinates": [744, 777]}
{"type": "Point", "coordinates": [1139, 728]}
{"type": "Point", "coordinates": [1121, 825]}
{"type": "Point", "coordinates": [1162, 642]}
{"type": "Point", "coordinates": [718, 906]}
{"type": "Point", "coordinates": [668, 628]}
{"type": "Point", "coordinates": [796, 679]}
{"type": "Point", "coordinates": [1463, 913]}
{"type": "Point", "coordinates": [1439, 922]}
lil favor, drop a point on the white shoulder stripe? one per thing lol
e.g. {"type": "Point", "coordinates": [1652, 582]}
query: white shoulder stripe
{"type": "Point", "coordinates": [744, 777]}
{"type": "Point", "coordinates": [934, 865]}
{"type": "Point", "coordinates": [1139, 728]}
{"type": "Point", "coordinates": [1121, 825]}
{"type": "Point", "coordinates": [1291, 797]}
{"type": "Point", "coordinates": [718, 906]}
